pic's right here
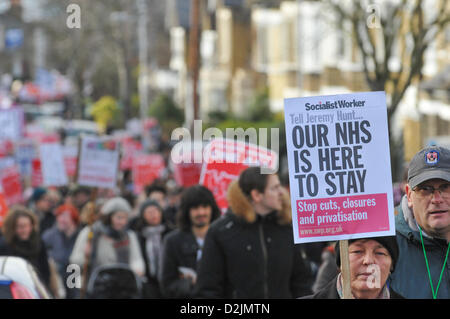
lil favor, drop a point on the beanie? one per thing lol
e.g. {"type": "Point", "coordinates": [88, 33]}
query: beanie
{"type": "Point", "coordinates": [114, 205]}
{"type": "Point", "coordinates": [388, 242]}
{"type": "Point", "coordinates": [38, 193]}
{"type": "Point", "coordinates": [149, 203]}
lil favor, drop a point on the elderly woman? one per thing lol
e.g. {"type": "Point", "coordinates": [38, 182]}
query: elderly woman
{"type": "Point", "coordinates": [371, 262]}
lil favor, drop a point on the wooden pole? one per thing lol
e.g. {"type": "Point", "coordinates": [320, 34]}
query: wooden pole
{"type": "Point", "coordinates": [345, 269]}
{"type": "Point", "coordinates": [194, 55]}
{"type": "Point", "coordinates": [91, 206]}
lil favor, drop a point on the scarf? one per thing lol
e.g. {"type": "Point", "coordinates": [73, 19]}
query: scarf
{"type": "Point", "coordinates": [29, 249]}
{"type": "Point", "coordinates": [120, 242]}
{"type": "Point", "coordinates": [153, 247]}
{"type": "Point", "coordinates": [384, 294]}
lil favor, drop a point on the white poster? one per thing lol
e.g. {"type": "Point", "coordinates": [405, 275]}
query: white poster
{"type": "Point", "coordinates": [339, 167]}
{"type": "Point", "coordinates": [99, 162]}
{"type": "Point", "coordinates": [52, 165]}
{"type": "Point", "coordinates": [11, 123]}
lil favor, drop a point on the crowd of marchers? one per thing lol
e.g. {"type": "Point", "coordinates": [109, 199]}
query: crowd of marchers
{"type": "Point", "coordinates": [178, 244]}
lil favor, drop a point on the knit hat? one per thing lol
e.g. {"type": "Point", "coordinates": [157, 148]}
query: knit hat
{"type": "Point", "coordinates": [388, 242]}
{"type": "Point", "coordinates": [431, 162]}
{"type": "Point", "coordinates": [38, 193]}
{"type": "Point", "coordinates": [70, 209]}
{"type": "Point", "coordinates": [114, 205]}
{"type": "Point", "coordinates": [149, 203]}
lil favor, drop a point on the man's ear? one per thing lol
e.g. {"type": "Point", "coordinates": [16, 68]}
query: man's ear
{"type": "Point", "coordinates": [408, 191]}
{"type": "Point", "coordinates": [255, 195]}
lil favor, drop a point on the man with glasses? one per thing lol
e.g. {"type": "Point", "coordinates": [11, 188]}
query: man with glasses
{"type": "Point", "coordinates": [423, 228]}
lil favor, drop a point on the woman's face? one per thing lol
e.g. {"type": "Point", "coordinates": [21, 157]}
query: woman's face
{"type": "Point", "coordinates": [119, 220]}
{"type": "Point", "coordinates": [370, 265]}
{"type": "Point", "coordinates": [24, 228]}
{"type": "Point", "coordinates": [152, 215]}
{"type": "Point", "coordinates": [65, 221]}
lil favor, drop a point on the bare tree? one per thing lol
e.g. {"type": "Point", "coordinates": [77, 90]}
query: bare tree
{"type": "Point", "coordinates": [402, 30]}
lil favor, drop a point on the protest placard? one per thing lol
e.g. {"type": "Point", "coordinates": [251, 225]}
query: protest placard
{"type": "Point", "coordinates": [98, 162]}
{"type": "Point", "coordinates": [70, 155]}
{"type": "Point", "coordinates": [130, 148]}
{"type": "Point", "coordinates": [11, 123]}
{"type": "Point", "coordinates": [146, 168]}
{"type": "Point", "coordinates": [3, 208]}
{"type": "Point", "coordinates": [187, 174]}
{"type": "Point", "coordinates": [225, 159]}
{"type": "Point", "coordinates": [186, 171]}
{"type": "Point", "coordinates": [11, 184]}
{"type": "Point", "coordinates": [36, 172]}
{"type": "Point", "coordinates": [6, 148]}
{"type": "Point", "coordinates": [52, 165]}
{"type": "Point", "coordinates": [339, 167]}
{"type": "Point", "coordinates": [24, 154]}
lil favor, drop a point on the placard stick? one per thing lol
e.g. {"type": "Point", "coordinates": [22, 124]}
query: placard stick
{"type": "Point", "coordinates": [345, 269]}
{"type": "Point", "coordinates": [92, 212]}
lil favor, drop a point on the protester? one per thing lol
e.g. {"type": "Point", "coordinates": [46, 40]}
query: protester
{"type": "Point", "coordinates": [80, 196]}
{"type": "Point", "coordinates": [55, 198]}
{"type": "Point", "coordinates": [183, 246]}
{"type": "Point", "coordinates": [313, 253]}
{"type": "Point", "coordinates": [158, 192]}
{"type": "Point", "coordinates": [371, 262]}
{"type": "Point", "coordinates": [249, 253]}
{"type": "Point", "coordinates": [41, 205]}
{"type": "Point", "coordinates": [423, 227]}
{"type": "Point", "coordinates": [327, 269]}
{"type": "Point", "coordinates": [151, 231]}
{"type": "Point", "coordinates": [21, 239]}
{"type": "Point", "coordinates": [60, 240]}
{"type": "Point", "coordinates": [173, 204]}
{"type": "Point", "coordinates": [111, 242]}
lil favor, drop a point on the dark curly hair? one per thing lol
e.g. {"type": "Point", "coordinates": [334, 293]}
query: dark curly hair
{"type": "Point", "coordinates": [192, 197]}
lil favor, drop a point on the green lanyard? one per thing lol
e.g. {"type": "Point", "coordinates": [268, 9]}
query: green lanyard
{"type": "Point", "coordinates": [428, 268]}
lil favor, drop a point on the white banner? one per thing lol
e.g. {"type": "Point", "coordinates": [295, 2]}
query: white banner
{"type": "Point", "coordinates": [99, 162]}
{"type": "Point", "coordinates": [339, 167]}
{"type": "Point", "coordinates": [52, 165]}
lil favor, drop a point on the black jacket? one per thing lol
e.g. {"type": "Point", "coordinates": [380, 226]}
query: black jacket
{"type": "Point", "coordinates": [330, 292]}
{"type": "Point", "coordinates": [180, 250]}
{"type": "Point", "coordinates": [38, 260]}
{"type": "Point", "coordinates": [248, 256]}
{"type": "Point", "coordinates": [152, 289]}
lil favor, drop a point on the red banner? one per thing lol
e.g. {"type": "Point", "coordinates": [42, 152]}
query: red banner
{"type": "Point", "coordinates": [36, 173]}
{"type": "Point", "coordinates": [130, 148]}
{"type": "Point", "coordinates": [187, 174]}
{"type": "Point", "coordinates": [3, 209]}
{"type": "Point", "coordinates": [146, 168]}
{"type": "Point", "coordinates": [224, 160]}
{"type": "Point", "coordinates": [12, 186]}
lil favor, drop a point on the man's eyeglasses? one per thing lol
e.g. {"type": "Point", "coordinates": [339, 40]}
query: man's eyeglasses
{"type": "Point", "coordinates": [427, 191]}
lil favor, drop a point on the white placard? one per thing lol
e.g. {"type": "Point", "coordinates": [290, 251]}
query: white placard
{"type": "Point", "coordinates": [339, 167]}
{"type": "Point", "coordinates": [52, 165]}
{"type": "Point", "coordinates": [98, 163]}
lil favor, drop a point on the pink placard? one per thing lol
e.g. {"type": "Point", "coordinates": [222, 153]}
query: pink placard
{"type": "Point", "coordinates": [342, 215]}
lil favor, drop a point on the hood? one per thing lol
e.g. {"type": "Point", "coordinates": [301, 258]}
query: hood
{"type": "Point", "coordinates": [241, 207]}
